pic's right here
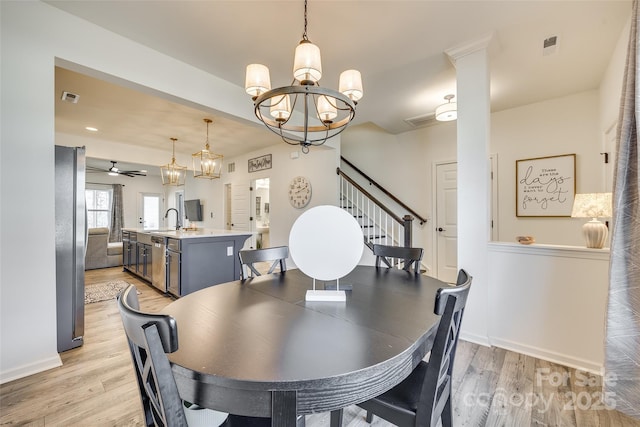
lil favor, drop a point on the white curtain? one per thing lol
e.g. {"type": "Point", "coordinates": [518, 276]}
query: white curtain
{"type": "Point", "coordinates": [622, 342]}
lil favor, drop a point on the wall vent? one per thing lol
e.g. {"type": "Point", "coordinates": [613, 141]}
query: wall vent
{"type": "Point", "coordinates": [550, 45]}
{"type": "Point", "coordinates": [231, 167]}
{"type": "Point", "coordinates": [70, 97]}
{"type": "Point", "coordinates": [423, 120]}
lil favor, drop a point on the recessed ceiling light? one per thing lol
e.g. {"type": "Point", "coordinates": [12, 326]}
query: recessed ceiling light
{"type": "Point", "coordinates": [91, 129]}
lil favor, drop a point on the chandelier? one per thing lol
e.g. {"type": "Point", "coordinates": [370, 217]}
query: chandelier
{"type": "Point", "coordinates": [321, 113]}
{"type": "Point", "coordinates": [205, 163]}
{"type": "Point", "coordinates": [173, 173]}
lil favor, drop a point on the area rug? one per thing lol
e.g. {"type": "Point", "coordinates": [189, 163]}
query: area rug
{"type": "Point", "coordinates": [103, 291]}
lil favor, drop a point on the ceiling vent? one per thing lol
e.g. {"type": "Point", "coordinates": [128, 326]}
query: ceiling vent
{"type": "Point", "coordinates": [423, 120]}
{"type": "Point", "coordinates": [550, 46]}
{"type": "Point", "coordinates": [70, 97]}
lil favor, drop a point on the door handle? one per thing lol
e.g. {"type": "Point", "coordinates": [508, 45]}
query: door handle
{"type": "Point", "coordinates": [440, 229]}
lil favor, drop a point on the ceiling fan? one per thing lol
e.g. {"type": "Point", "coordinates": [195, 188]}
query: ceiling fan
{"type": "Point", "coordinates": [114, 171]}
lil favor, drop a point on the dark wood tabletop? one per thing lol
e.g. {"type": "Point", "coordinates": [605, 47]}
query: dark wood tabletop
{"type": "Point", "coordinates": [256, 347]}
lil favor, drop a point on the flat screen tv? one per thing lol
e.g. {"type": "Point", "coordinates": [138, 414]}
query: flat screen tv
{"type": "Point", "coordinates": [193, 210]}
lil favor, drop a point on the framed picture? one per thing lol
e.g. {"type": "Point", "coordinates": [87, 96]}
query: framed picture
{"type": "Point", "coordinates": [260, 163]}
{"type": "Point", "coordinates": [545, 186]}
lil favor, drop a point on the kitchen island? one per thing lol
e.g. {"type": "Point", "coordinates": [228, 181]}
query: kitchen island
{"type": "Point", "coordinates": [183, 261]}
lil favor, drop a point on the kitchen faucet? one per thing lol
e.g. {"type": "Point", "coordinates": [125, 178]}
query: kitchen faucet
{"type": "Point", "coordinates": [166, 215]}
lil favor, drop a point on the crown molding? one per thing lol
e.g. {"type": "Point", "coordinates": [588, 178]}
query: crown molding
{"type": "Point", "coordinates": [463, 49]}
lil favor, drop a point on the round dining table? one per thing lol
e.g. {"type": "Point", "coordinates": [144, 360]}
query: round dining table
{"type": "Point", "coordinates": [255, 347]}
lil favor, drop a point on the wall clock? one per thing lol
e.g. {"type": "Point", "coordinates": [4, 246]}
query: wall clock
{"type": "Point", "coordinates": [299, 192]}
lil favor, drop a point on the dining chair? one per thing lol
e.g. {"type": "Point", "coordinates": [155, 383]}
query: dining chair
{"type": "Point", "coordinates": [424, 397]}
{"type": "Point", "coordinates": [248, 257]}
{"type": "Point", "coordinates": [150, 337]}
{"type": "Point", "coordinates": [411, 256]}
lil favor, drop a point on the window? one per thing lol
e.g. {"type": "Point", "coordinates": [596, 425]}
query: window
{"type": "Point", "coordinates": [98, 207]}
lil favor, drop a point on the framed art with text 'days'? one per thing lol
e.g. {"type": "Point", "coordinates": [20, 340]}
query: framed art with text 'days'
{"type": "Point", "coordinates": [545, 186]}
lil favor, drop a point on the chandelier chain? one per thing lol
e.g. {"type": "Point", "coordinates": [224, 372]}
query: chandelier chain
{"type": "Point", "coordinates": [304, 34]}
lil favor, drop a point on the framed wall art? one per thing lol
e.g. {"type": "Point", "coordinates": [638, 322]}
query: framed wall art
{"type": "Point", "coordinates": [545, 186]}
{"type": "Point", "coordinates": [260, 163]}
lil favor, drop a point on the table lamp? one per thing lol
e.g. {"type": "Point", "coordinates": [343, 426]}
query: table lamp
{"type": "Point", "coordinates": [594, 206]}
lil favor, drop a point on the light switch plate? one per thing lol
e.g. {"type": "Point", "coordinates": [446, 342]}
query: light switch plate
{"type": "Point", "coordinates": [229, 250]}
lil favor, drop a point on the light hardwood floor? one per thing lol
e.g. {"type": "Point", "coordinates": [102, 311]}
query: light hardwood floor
{"type": "Point", "coordinates": [492, 387]}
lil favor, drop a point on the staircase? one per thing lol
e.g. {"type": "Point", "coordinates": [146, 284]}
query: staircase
{"type": "Point", "coordinates": [380, 224]}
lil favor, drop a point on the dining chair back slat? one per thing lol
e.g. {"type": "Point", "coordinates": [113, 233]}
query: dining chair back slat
{"type": "Point", "coordinates": [150, 337]}
{"type": "Point", "coordinates": [411, 257]}
{"type": "Point", "coordinates": [278, 255]}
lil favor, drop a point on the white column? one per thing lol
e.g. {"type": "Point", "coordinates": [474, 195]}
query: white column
{"type": "Point", "coordinates": [473, 126]}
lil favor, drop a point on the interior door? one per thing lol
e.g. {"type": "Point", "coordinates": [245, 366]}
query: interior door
{"type": "Point", "coordinates": [447, 221]}
{"type": "Point", "coordinates": [240, 207]}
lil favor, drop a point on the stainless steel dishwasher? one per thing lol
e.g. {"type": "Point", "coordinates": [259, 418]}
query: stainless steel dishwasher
{"type": "Point", "coordinates": [158, 259]}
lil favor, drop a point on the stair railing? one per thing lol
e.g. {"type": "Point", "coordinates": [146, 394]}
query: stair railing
{"type": "Point", "coordinates": [379, 223]}
{"type": "Point", "coordinates": [384, 191]}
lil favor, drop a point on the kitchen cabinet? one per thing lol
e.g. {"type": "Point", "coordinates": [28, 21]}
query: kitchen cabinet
{"type": "Point", "coordinates": [129, 250]}
{"type": "Point", "coordinates": [144, 259]}
{"type": "Point", "coordinates": [194, 259]}
{"type": "Point", "coordinates": [199, 262]}
{"type": "Point", "coordinates": [174, 259]}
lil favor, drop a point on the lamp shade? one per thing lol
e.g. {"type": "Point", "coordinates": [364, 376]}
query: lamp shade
{"type": "Point", "coordinates": [592, 205]}
{"type": "Point", "coordinates": [447, 112]}
{"type": "Point", "coordinates": [280, 108]}
{"type": "Point", "coordinates": [327, 110]}
{"type": "Point", "coordinates": [257, 80]}
{"type": "Point", "coordinates": [307, 65]}
{"type": "Point", "coordinates": [351, 84]}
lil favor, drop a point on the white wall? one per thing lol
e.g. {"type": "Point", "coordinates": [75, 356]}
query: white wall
{"type": "Point", "coordinates": [611, 85]}
{"type": "Point", "coordinates": [549, 302]}
{"type": "Point", "coordinates": [558, 126]}
{"type": "Point", "coordinates": [318, 166]}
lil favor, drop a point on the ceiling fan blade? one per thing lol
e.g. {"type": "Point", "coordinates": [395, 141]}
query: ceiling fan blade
{"type": "Point", "coordinates": [132, 173]}
{"type": "Point", "coordinates": [94, 169]}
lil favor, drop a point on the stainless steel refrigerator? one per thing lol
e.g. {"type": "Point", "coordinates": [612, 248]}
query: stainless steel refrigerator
{"type": "Point", "coordinates": [71, 236]}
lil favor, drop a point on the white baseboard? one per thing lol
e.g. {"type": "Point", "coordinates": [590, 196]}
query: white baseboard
{"type": "Point", "coordinates": [30, 369]}
{"type": "Point", "coordinates": [550, 356]}
{"type": "Point", "coordinates": [475, 338]}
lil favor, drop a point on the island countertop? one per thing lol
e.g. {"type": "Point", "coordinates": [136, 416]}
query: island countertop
{"type": "Point", "coordinates": [190, 234]}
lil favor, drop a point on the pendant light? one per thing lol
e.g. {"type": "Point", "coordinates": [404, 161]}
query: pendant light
{"type": "Point", "coordinates": [173, 173]}
{"type": "Point", "coordinates": [205, 163]}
